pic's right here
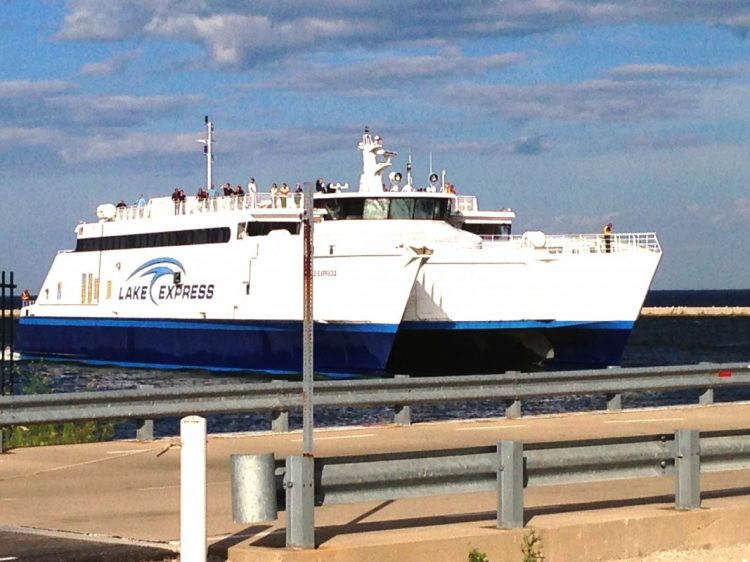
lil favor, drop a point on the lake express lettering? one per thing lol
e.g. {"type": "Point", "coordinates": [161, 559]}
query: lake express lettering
{"type": "Point", "coordinates": [157, 269]}
{"type": "Point", "coordinates": [169, 292]}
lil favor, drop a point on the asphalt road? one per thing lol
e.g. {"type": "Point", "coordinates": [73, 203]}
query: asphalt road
{"type": "Point", "coordinates": [22, 546]}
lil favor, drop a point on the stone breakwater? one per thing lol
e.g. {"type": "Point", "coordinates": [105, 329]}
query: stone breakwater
{"type": "Point", "coordinates": [695, 311]}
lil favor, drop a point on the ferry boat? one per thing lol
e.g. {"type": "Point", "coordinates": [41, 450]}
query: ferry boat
{"type": "Point", "coordinates": [408, 279]}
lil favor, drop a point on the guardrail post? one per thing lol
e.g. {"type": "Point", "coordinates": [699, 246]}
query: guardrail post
{"type": "Point", "coordinates": [280, 421]}
{"type": "Point", "coordinates": [402, 413]}
{"type": "Point", "coordinates": [193, 542]}
{"type": "Point", "coordinates": [253, 488]}
{"type": "Point", "coordinates": [144, 430]}
{"type": "Point", "coordinates": [512, 409]}
{"type": "Point", "coordinates": [510, 485]}
{"type": "Point", "coordinates": [687, 469]}
{"type": "Point", "coordinates": [299, 483]}
{"type": "Point", "coordinates": [707, 396]}
{"type": "Point", "coordinates": [614, 402]}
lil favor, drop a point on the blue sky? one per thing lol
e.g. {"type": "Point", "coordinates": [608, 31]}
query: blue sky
{"type": "Point", "coordinates": [572, 112]}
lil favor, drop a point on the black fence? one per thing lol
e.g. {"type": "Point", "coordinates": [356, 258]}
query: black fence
{"type": "Point", "coordinates": [8, 304]}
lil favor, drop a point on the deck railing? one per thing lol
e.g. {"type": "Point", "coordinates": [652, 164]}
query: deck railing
{"type": "Point", "coordinates": [579, 243]}
{"type": "Point", "coordinates": [164, 206]}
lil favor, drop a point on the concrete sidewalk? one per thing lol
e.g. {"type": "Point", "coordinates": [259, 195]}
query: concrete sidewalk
{"type": "Point", "coordinates": [131, 490]}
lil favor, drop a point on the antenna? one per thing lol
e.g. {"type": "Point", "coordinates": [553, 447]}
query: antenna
{"type": "Point", "coordinates": [408, 171]}
{"type": "Point", "coordinates": [208, 151]}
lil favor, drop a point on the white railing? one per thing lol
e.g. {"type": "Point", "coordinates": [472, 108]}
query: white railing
{"type": "Point", "coordinates": [579, 243]}
{"type": "Point", "coordinates": [164, 206]}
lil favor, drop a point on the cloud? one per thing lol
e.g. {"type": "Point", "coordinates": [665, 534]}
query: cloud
{"type": "Point", "coordinates": [530, 146]}
{"type": "Point", "coordinates": [389, 75]}
{"type": "Point", "coordinates": [25, 89]}
{"type": "Point", "coordinates": [742, 208]}
{"type": "Point", "coordinates": [587, 101]}
{"type": "Point", "coordinates": [667, 141]}
{"type": "Point", "coordinates": [669, 71]}
{"type": "Point", "coordinates": [246, 34]}
{"type": "Point", "coordinates": [109, 66]}
{"type": "Point", "coordinates": [120, 110]}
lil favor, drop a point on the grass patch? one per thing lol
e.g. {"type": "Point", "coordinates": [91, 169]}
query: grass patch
{"type": "Point", "coordinates": [36, 380]}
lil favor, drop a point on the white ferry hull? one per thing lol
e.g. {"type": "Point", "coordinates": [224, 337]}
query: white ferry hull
{"type": "Point", "coordinates": [508, 308]}
{"type": "Point", "coordinates": [237, 309]}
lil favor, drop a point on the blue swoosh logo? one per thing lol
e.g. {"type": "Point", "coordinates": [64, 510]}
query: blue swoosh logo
{"type": "Point", "coordinates": [159, 268]}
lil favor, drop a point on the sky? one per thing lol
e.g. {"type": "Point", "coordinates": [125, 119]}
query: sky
{"type": "Point", "coordinates": [573, 113]}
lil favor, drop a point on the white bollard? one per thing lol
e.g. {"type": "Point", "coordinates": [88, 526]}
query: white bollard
{"type": "Point", "coordinates": [193, 547]}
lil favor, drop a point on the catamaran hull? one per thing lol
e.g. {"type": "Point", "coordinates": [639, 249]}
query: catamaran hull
{"type": "Point", "coordinates": [461, 349]}
{"type": "Point", "coordinates": [231, 306]}
{"type": "Point", "coordinates": [269, 347]}
{"type": "Point", "coordinates": [506, 307]}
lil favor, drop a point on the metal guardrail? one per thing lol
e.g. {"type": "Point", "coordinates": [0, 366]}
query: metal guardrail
{"type": "Point", "coordinates": [401, 393]}
{"type": "Point", "coordinates": [507, 468]}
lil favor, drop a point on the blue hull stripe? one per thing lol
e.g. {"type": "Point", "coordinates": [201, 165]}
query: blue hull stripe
{"type": "Point", "coordinates": [224, 325]}
{"type": "Point", "coordinates": [517, 325]}
{"type": "Point", "coordinates": [265, 347]}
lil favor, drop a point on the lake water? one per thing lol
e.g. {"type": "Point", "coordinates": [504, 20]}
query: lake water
{"type": "Point", "coordinates": [654, 341]}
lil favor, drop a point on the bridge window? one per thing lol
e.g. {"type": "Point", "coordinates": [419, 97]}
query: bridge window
{"type": "Point", "coordinates": [379, 208]}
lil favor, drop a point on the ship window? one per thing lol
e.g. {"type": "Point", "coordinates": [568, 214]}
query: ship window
{"type": "Point", "coordinates": [154, 240]}
{"type": "Point", "coordinates": [397, 208]}
{"type": "Point", "coordinates": [263, 228]}
{"type": "Point", "coordinates": [498, 230]}
{"type": "Point", "coordinates": [375, 209]}
{"type": "Point", "coordinates": [401, 209]}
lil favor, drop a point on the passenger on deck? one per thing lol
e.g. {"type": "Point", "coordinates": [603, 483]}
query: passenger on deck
{"type": "Point", "coordinates": [121, 206]}
{"type": "Point", "coordinates": [297, 194]}
{"type": "Point", "coordinates": [141, 204]}
{"type": "Point", "coordinates": [320, 186]}
{"type": "Point", "coordinates": [239, 193]}
{"type": "Point", "coordinates": [607, 230]}
{"type": "Point", "coordinates": [252, 189]}
{"type": "Point", "coordinates": [25, 298]}
{"type": "Point", "coordinates": [202, 197]}
{"type": "Point", "coordinates": [176, 200]}
{"type": "Point", "coordinates": [284, 193]}
{"type": "Point", "coordinates": [274, 195]}
{"type": "Point", "coordinates": [213, 196]}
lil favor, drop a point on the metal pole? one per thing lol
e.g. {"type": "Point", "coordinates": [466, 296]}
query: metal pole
{"type": "Point", "coordinates": [193, 544]}
{"type": "Point", "coordinates": [299, 483]}
{"type": "Point", "coordinates": [12, 333]}
{"type": "Point", "coordinates": [510, 485]}
{"type": "Point", "coordinates": [307, 323]}
{"type": "Point", "coordinates": [209, 153]}
{"type": "Point", "coordinates": [688, 469]}
{"type": "Point", "coordinates": [2, 335]}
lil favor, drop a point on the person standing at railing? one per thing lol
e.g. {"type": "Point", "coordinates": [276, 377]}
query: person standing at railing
{"type": "Point", "coordinates": [274, 195]}
{"type": "Point", "coordinates": [607, 230]}
{"type": "Point", "coordinates": [121, 206]}
{"type": "Point", "coordinates": [252, 189]}
{"type": "Point", "coordinates": [239, 193]}
{"type": "Point", "coordinates": [284, 192]}
{"type": "Point", "coordinates": [176, 200]}
{"type": "Point", "coordinates": [297, 194]}
{"type": "Point", "coordinates": [213, 198]}
{"type": "Point", "coordinates": [141, 204]}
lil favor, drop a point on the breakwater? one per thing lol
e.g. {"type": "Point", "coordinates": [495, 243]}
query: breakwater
{"type": "Point", "coordinates": [695, 311]}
